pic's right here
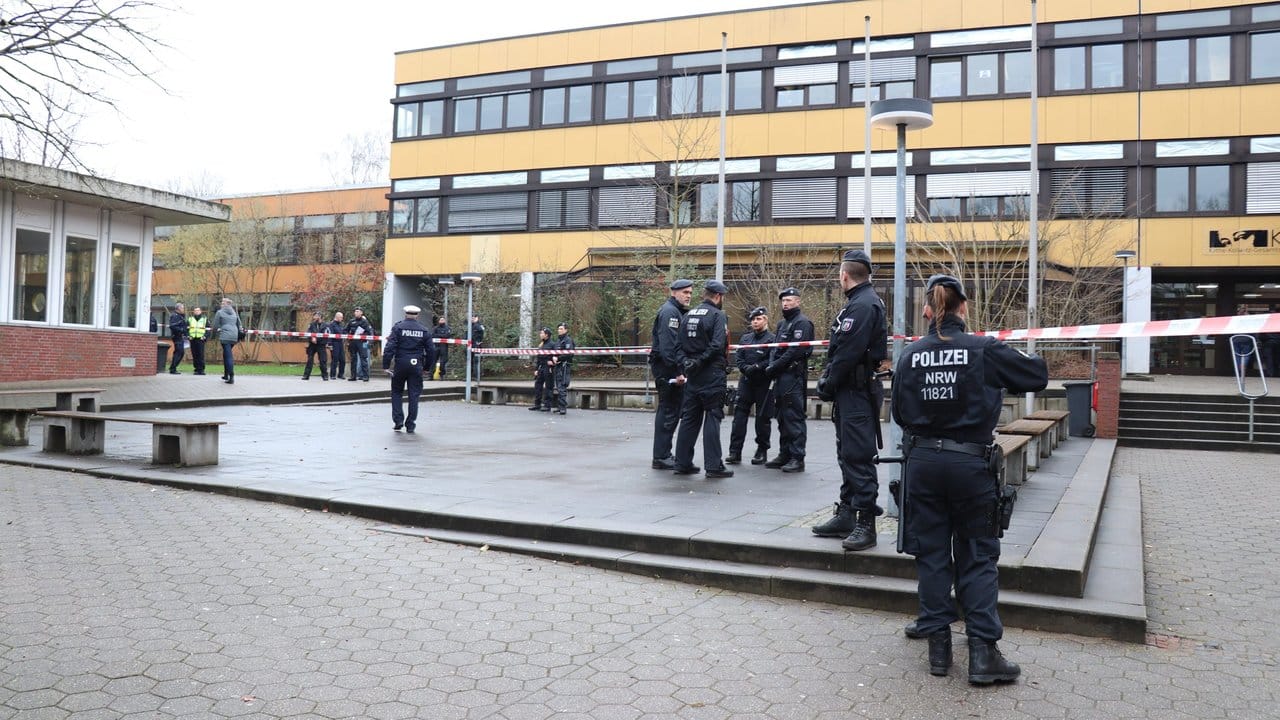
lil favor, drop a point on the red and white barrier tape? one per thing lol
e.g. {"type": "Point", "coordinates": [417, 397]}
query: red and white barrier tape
{"type": "Point", "coordinates": [343, 336]}
{"type": "Point", "coordinates": [628, 350]}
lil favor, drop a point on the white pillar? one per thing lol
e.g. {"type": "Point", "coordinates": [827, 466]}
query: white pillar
{"type": "Point", "coordinates": [526, 309]}
{"type": "Point", "coordinates": [1137, 288]}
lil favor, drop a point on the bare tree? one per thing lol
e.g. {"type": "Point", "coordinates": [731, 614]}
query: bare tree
{"type": "Point", "coordinates": [55, 59]}
{"type": "Point", "coordinates": [359, 159]}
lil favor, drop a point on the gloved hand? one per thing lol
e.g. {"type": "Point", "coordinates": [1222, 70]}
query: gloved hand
{"type": "Point", "coordinates": [772, 371]}
{"type": "Point", "coordinates": [823, 394]}
{"type": "Point", "coordinates": [690, 367]}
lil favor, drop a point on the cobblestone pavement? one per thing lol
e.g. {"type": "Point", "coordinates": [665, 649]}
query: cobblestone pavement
{"type": "Point", "coordinates": [130, 601]}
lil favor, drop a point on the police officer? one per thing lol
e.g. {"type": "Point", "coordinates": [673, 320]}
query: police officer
{"type": "Point", "coordinates": [477, 341]}
{"type": "Point", "coordinates": [544, 385]}
{"type": "Point", "coordinates": [337, 351]}
{"type": "Point", "coordinates": [858, 345]}
{"type": "Point", "coordinates": [947, 393]}
{"type": "Point", "coordinates": [753, 389]}
{"type": "Point", "coordinates": [668, 378]}
{"type": "Point", "coordinates": [407, 352]}
{"type": "Point", "coordinates": [316, 347]}
{"type": "Point", "coordinates": [359, 327]}
{"type": "Point", "coordinates": [704, 340]}
{"type": "Point", "coordinates": [178, 333]}
{"type": "Point", "coordinates": [789, 369]}
{"type": "Point", "coordinates": [562, 368]}
{"type": "Point", "coordinates": [197, 328]}
{"type": "Point", "coordinates": [441, 331]}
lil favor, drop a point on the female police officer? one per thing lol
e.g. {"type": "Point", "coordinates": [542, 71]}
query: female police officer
{"type": "Point", "coordinates": [947, 392]}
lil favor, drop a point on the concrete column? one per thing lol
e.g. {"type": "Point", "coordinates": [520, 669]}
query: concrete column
{"type": "Point", "coordinates": [1137, 289]}
{"type": "Point", "coordinates": [526, 309]}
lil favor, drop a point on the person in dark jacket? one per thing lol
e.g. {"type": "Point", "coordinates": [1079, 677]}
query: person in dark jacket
{"type": "Point", "coordinates": [704, 341]}
{"type": "Point", "coordinates": [337, 347]}
{"type": "Point", "coordinates": [563, 368]}
{"type": "Point", "coordinates": [178, 334]}
{"type": "Point", "coordinates": [359, 345]}
{"type": "Point", "coordinates": [477, 342]}
{"type": "Point", "coordinates": [316, 347]}
{"type": "Point", "coordinates": [753, 389]}
{"type": "Point", "coordinates": [948, 389]}
{"type": "Point", "coordinates": [544, 384]}
{"type": "Point", "coordinates": [407, 353]}
{"type": "Point", "coordinates": [668, 378]}
{"type": "Point", "coordinates": [442, 331]}
{"type": "Point", "coordinates": [789, 369]}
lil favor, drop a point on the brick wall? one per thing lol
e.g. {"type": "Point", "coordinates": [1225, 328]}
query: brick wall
{"type": "Point", "coordinates": [49, 353]}
{"type": "Point", "coordinates": [1108, 423]}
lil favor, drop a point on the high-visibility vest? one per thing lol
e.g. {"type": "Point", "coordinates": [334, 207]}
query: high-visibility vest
{"type": "Point", "coordinates": [196, 326]}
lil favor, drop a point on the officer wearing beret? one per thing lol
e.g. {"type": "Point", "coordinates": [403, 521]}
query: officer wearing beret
{"type": "Point", "coordinates": [857, 346]}
{"type": "Point", "coordinates": [789, 369]}
{"type": "Point", "coordinates": [544, 385]}
{"type": "Point", "coordinates": [704, 340]}
{"type": "Point", "coordinates": [753, 389]}
{"type": "Point", "coordinates": [562, 367]}
{"type": "Point", "coordinates": [947, 394]}
{"type": "Point", "coordinates": [668, 377]}
{"type": "Point", "coordinates": [407, 352]}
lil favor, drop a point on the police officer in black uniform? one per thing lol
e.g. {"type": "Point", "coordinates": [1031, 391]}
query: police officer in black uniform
{"type": "Point", "coordinates": [948, 388]}
{"type": "Point", "coordinates": [753, 389]}
{"type": "Point", "coordinates": [562, 371]}
{"type": "Point", "coordinates": [668, 377]}
{"type": "Point", "coordinates": [704, 341]}
{"type": "Point", "coordinates": [477, 342]}
{"type": "Point", "coordinates": [857, 346]}
{"type": "Point", "coordinates": [408, 351]}
{"type": "Point", "coordinates": [544, 385]}
{"type": "Point", "coordinates": [789, 369]}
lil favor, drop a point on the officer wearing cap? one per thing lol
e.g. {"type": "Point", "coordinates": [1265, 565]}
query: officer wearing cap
{"type": "Point", "coordinates": [948, 389]}
{"type": "Point", "coordinates": [668, 378]}
{"type": "Point", "coordinates": [789, 369]}
{"type": "Point", "coordinates": [858, 344]}
{"type": "Point", "coordinates": [753, 389]}
{"type": "Point", "coordinates": [407, 352]}
{"type": "Point", "coordinates": [544, 385]}
{"type": "Point", "coordinates": [704, 340]}
{"type": "Point", "coordinates": [562, 367]}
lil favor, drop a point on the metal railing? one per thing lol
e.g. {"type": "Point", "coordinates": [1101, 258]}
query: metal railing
{"type": "Point", "coordinates": [1240, 365]}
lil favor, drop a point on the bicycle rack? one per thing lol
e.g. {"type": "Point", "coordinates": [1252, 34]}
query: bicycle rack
{"type": "Point", "coordinates": [1239, 361]}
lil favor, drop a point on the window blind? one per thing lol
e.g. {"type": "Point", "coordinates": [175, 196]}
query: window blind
{"type": "Point", "coordinates": [978, 184]}
{"type": "Point", "coordinates": [564, 208]}
{"type": "Point", "coordinates": [884, 195]}
{"type": "Point", "coordinates": [883, 70]}
{"type": "Point", "coordinates": [497, 211]}
{"type": "Point", "coordinates": [1086, 191]}
{"type": "Point", "coordinates": [804, 198]}
{"type": "Point", "coordinates": [821, 74]}
{"type": "Point", "coordinates": [622, 206]}
{"type": "Point", "coordinates": [1263, 184]}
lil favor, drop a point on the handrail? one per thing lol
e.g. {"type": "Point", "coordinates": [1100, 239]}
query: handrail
{"type": "Point", "coordinates": [1240, 359]}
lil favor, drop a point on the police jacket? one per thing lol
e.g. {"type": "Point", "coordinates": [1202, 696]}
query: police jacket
{"type": "Point", "coordinates": [704, 338]}
{"type": "Point", "coordinates": [317, 326]}
{"type": "Point", "coordinates": [751, 362]}
{"type": "Point", "coordinates": [178, 325]}
{"type": "Point", "coordinates": [953, 388]}
{"type": "Point", "coordinates": [666, 340]}
{"type": "Point", "coordinates": [794, 327]}
{"type": "Point", "coordinates": [542, 360]}
{"type": "Point", "coordinates": [335, 328]}
{"type": "Point", "coordinates": [563, 342]}
{"type": "Point", "coordinates": [196, 326]}
{"type": "Point", "coordinates": [408, 340]}
{"type": "Point", "coordinates": [859, 340]}
{"type": "Point", "coordinates": [477, 334]}
{"type": "Point", "coordinates": [361, 323]}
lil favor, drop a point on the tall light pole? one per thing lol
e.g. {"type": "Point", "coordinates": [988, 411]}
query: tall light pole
{"type": "Point", "coordinates": [1124, 255]}
{"type": "Point", "coordinates": [470, 279]}
{"type": "Point", "coordinates": [903, 114]}
{"type": "Point", "coordinates": [446, 283]}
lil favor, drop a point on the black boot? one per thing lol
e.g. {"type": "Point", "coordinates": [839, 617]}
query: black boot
{"type": "Point", "coordinates": [778, 461]}
{"type": "Point", "coordinates": [987, 664]}
{"type": "Point", "coordinates": [794, 465]}
{"type": "Point", "coordinates": [734, 457]}
{"type": "Point", "coordinates": [840, 524]}
{"type": "Point", "coordinates": [864, 532]}
{"type": "Point", "coordinates": [940, 652]}
{"type": "Point", "coordinates": [760, 457]}
{"type": "Point", "coordinates": [912, 630]}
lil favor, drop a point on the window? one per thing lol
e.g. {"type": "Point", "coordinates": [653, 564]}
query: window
{"type": "Point", "coordinates": [1207, 59]}
{"type": "Point", "coordinates": [890, 78]}
{"type": "Point", "coordinates": [1093, 66]}
{"type": "Point", "coordinates": [709, 59]}
{"type": "Point", "coordinates": [944, 207]}
{"type": "Point", "coordinates": [1088, 191]}
{"type": "Point", "coordinates": [488, 212]}
{"type": "Point", "coordinates": [748, 89]}
{"type": "Point", "coordinates": [1263, 183]}
{"type": "Point", "coordinates": [1264, 55]}
{"type": "Point", "coordinates": [30, 276]}
{"type": "Point", "coordinates": [1203, 188]}
{"type": "Point", "coordinates": [311, 222]}
{"type": "Point", "coordinates": [491, 112]}
{"type": "Point", "coordinates": [125, 262]}
{"type": "Point", "coordinates": [1088, 28]}
{"type": "Point", "coordinates": [476, 82]}
{"type": "Point", "coordinates": [634, 99]}
{"type": "Point", "coordinates": [77, 284]}
{"type": "Point", "coordinates": [805, 85]}
{"type": "Point", "coordinates": [358, 219]}
{"type": "Point", "coordinates": [566, 105]}
{"type": "Point", "coordinates": [743, 203]}
{"type": "Point", "coordinates": [991, 36]}
{"type": "Point", "coordinates": [976, 75]}
{"type": "Point", "coordinates": [420, 215]}
{"type": "Point", "coordinates": [884, 193]}
{"type": "Point", "coordinates": [317, 248]}
{"type": "Point", "coordinates": [415, 119]}
{"type": "Point", "coordinates": [560, 209]}
{"type": "Point", "coordinates": [622, 206]}
{"type": "Point", "coordinates": [804, 198]}
{"type": "Point", "coordinates": [568, 72]}
{"type": "Point", "coordinates": [806, 51]}
{"type": "Point", "coordinates": [695, 93]}
{"type": "Point", "coordinates": [422, 88]}
{"type": "Point", "coordinates": [1185, 21]}
{"type": "Point", "coordinates": [977, 194]}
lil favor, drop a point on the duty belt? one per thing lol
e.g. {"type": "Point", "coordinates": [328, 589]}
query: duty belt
{"type": "Point", "coordinates": [974, 449]}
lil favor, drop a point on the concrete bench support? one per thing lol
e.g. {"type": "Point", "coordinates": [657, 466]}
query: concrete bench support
{"type": "Point", "coordinates": [173, 442]}
{"type": "Point", "coordinates": [1059, 418]}
{"type": "Point", "coordinates": [184, 444]}
{"type": "Point", "coordinates": [13, 427]}
{"type": "Point", "coordinates": [1040, 434]}
{"type": "Point", "coordinates": [1015, 457]}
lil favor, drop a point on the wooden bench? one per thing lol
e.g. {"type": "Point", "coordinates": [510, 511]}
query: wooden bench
{"type": "Point", "coordinates": [1059, 417]}
{"type": "Point", "coordinates": [173, 442]}
{"type": "Point", "coordinates": [15, 421]}
{"type": "Point", "coordinates": [1041, 434]}
{"type": "Point", "coordinates": [1015, 457]}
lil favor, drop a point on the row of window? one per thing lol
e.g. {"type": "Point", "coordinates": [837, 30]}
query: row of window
{"type": "Point", "coordinates": [77, 284]}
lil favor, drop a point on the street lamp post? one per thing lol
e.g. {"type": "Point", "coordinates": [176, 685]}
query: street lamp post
{"type": "Point", "coordinates": [470, 279]}
{"type": "Point", "coordinates": [1124, 255]}
{"type": "Point", "coordinates": [446, 283]}
{"type": "Point", "coordinates": [903, 114]}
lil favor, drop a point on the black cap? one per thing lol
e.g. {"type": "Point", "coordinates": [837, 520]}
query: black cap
{"type": "Point", "coordinates": [715, 286]}
{"type": "Point", "coordinates": [859, 256]}
{"type": "Point", "coordinates": [564, 325]}
{"type": "Point", "coordinates": [757, 312]}
{"type": "Point", "coordinates": [788, 292]}
{"type": "Point", "coordinates": [545, 329]}
{"type": "Point", "coordinates": [681, 284]}
{"type": "Point", "coordinates": [948, 281]}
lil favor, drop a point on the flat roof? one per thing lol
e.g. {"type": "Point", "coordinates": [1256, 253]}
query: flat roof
{"type": "Point", "coordinates": [165, 208]}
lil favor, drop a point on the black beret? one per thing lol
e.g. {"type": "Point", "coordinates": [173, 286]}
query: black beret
{"type": "Point", "coordinates": [788, 292]}
{"type": "Point", "coordinates": [715, 286]}
{"type": "Point", "coordinates": [859, 256]}
{"type": "Point", "coordinates": [757, 312]}
{"type": "Point", "coordinates": [948, 281]}
{"type": "Point", "coordinates": [564, 325]}
{"type": "Point", "coordinates": [681, 284]}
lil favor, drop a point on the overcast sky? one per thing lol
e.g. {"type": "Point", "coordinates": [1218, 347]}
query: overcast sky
{"type": "Point", "coordinates": [259, 91]}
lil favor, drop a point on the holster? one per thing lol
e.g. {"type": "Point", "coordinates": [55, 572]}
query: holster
{"type": "Point", "coordinates": [1006, 495]}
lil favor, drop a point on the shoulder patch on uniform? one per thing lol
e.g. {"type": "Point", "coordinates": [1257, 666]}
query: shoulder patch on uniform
{"type": "Point", "coordinates": [797, 334]}
{"type": "Point", "coordinates": [673, 322]}
{"type": "Point", "coordinates": [846, 325]}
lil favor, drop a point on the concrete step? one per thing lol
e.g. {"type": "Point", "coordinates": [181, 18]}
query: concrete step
{"type": "Point", "coordinates": [1184, 443]}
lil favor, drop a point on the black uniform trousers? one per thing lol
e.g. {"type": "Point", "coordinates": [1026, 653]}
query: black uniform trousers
{"type": "Point", "coordinates": [406, 374]}
{"type": "Point", "coordinates": [789, 391]}
{"type": "Point", "coordinates": [544, 386]}
{"type": "Point", "coordinates": [950, 517]}
{"type": "Point", "coordinates": [702, 410]}
{"type": "Point", "coordinates": [856, 417]}
{"type": "Point", "coordinates": [338, 361]}
{"type": "Point", "coordinates": [315, 351]}
{"type": "Point", "coordinates": [197, 355]}
{"type": "Point", "coordinates": [667, 417]}
{"type": "Point", "coordinates": [756, 394]}
{"type": "Point", "coordinates": [561, 376]}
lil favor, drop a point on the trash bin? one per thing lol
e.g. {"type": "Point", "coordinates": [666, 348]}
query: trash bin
{"type": "Point", "coordinates": [162, 356]}
{"type": "Point", "coordinates": [1080, 405]}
